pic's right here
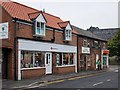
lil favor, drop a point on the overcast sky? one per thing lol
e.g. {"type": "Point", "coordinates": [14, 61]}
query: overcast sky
{"type": "Point", "coordinates": [98, 13]}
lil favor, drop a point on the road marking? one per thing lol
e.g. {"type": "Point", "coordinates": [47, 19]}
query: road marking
{"type": "Point", "coordinates": [81, 77]}
{"type": "Point", "coordinates": [97, 83]}
{"type": "Point", "coordinates": [108, 80]}
{"type": "Point", "coordinates": [56, 81]}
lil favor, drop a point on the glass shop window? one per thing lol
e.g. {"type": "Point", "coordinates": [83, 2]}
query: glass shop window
{"type": "Point", "coordinates": [39, 59]}
{"type": "Point", "coordinates": [26, 59]}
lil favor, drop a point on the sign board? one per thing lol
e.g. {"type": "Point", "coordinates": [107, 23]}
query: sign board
{"type": "Point", "coordinates": [86, 50]}
{"type": "Point", "coordinates": [105, 51]}
{"type": "Point", "coordinates": [4, 30]}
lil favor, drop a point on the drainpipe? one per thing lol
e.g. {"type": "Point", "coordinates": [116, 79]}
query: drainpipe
{"type": "Point", "coordinates": [78, 53]}
{"type": "Point", "coordinates": [15, 76]}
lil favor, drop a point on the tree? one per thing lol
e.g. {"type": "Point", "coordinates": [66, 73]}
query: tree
{"type": "Point", "coordinates": [114, 45]}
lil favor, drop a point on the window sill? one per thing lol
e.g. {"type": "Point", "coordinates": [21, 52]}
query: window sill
{"type": "Point", "coordinates": [32, 68]}
{"type": "Point", "coordinates": [38, 35]}
{"type": "Point", "coordinates": [66, 65]}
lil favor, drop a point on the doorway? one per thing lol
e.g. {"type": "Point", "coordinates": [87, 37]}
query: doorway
{"type": "Point", "coordinates": [48, 63]}
{"type": "Point", "coordinates": [5, 58]}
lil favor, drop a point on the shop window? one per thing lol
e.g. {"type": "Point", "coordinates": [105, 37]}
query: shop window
{"type": "Point", "coordinates": [58, 59]}
{"type": "Point", "coordinates": [39, 59]}
{"type": "Point", "coordinates": [32, 59]}
{"type": "Point", "coordinates": [64, 59]}
{"type": "Point", "coordinates": [26, 59]}
{"type": "Point", "coordinates": [40, 28]}
{"type": "Point", "coordinates": [68, 59]}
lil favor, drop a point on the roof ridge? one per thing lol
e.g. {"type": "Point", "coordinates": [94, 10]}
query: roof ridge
{"type": "Point", "coordinates": [51, 15]}
{"type": "Point", "coordinates": [64, 22]}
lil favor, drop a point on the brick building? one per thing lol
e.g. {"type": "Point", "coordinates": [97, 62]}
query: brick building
{"type": "Point", "coordinates": [90, 48]}
{"type": "Point", "coordinates": [36, 43]}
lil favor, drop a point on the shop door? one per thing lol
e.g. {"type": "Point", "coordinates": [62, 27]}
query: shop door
{"type": "Point", "coordinates": [4, 63]}
{"type": "Point", "coordinates": [48, 63]}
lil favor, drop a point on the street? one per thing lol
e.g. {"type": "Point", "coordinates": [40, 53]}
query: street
{"type": "Point", "coordinates": [102, 80]}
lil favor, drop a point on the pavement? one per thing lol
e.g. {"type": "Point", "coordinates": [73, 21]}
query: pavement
{"type": "Point", "coordinates": [11, 84]}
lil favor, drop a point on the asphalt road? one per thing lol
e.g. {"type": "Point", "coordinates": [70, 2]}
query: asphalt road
{"type": "Point", "coordinates": [103, 80]}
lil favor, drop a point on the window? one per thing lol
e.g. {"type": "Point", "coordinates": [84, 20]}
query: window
{"type": "Point", "coordinates": [58, 59]}
{"type": "Point", "coordinates": [26, 59]}
{"type": "Point", "coordinates": [68, 35]}
{"type": "Point", "coordinates": [96, 44]}
{"type": "Point", "coordinates": [40, 28]}
{"type": "Point", "coordinates": [85, 44]}
{"type": "Point", "coordinates": [32, 59]}
{"type": "Point", "coordinates": [64, 59]}
{"type": "Point", "coordinates": [104, 45]}
{"type": "Point", "coordinates": [89, 61]}
{"type": "Point", "coordinates": [39, 59]}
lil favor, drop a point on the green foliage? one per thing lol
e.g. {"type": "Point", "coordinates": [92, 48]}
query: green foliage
{"type": "Point", "coordinates": [114, 45]}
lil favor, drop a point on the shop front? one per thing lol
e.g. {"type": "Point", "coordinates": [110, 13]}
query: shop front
{"type": "Point", "coordinates": [38, 58]}
{"type": "Point", "coordinates": [105, 56]}
{"type": "Point", "coordinates": [85, 61]}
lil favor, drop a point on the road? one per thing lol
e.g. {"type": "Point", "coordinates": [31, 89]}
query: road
{"type": "Point", "coordinates": [102, 80]}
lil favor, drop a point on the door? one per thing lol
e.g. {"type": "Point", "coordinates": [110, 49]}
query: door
{"type": "Point", "coordinates": [4, 63]}
{"type": "Point", "coordinates": [48, 63]}
{"type": "Point", "coordinates": [97, 57]}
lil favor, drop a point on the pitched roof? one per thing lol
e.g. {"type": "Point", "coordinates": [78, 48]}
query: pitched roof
{"type": "Point", "coordinates": [18, 10]}
{"type": "Point", "coordinates": [106, 34]}
{"type": "Point", "coordinates": [86, 33]}
{"type": "Point", "coordinates": [63, 24]}
{"type": "Point", "coordinates": [27, 13]}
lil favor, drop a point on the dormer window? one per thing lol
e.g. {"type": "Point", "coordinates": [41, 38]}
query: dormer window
{"type": "Point", "coordinates": [40, 26]}
{"type": "Point", "coordinates": [68, 35]}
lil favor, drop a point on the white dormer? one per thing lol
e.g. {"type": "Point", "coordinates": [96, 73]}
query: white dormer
{"type": "Point", "coordinates": [68, 33]}
{"type": "Point", "coordinates": [40, 26]}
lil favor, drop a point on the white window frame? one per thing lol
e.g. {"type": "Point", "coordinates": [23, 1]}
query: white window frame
{"type": "Point", "coordinates": [40, 28]}
{"type": "Point", "coordinates": [68, 59]}
{"type": "Point", "coordinates": [68, 34]}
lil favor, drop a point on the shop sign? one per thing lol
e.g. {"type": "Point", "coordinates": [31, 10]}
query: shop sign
{"type": "Point", "coordinates": [86, 50]}
{"type": "Point", "coordinates": [4, 30]}
{"type": "Point", "coordinates": [105, 51]}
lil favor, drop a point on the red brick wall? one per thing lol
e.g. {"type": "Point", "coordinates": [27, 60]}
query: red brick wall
{"type": "Point", "coordinates": [66, 69]}
{"type": "Point", "coordinates": [8, 43]}
{"type": "Point", "coordinates": [32, 73]}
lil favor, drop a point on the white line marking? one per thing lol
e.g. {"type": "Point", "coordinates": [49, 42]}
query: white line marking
{"type": "Point", "coordinates": [108, 80]}
{"type": "Point", "coordinates": [97, 83]}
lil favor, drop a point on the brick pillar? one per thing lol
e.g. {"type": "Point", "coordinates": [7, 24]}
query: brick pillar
{"type": "Point", "coordinates": [54, 69]}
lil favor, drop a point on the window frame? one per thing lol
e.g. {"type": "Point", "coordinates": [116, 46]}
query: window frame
{"type": "Point", "coordinates": [69, 62]}
{"type": "Point", "coordinates": [68, 34]}
{"type": "Point", "coordinates": [33, 61]}
{"type": "Point", "coordinates": [85, 41]}
{"type": "Point", "coordinates": [42, 31]}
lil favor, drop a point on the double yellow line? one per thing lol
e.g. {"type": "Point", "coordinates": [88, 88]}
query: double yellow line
{"type": "Point", "coordinates": [58, 81]}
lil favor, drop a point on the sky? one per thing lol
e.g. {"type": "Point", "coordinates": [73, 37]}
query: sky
{"type": "Point", "coordinates": [96, 13]}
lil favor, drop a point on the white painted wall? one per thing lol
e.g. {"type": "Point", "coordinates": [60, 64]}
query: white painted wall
{"type": "Point", "coordinates": [40, 18]}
